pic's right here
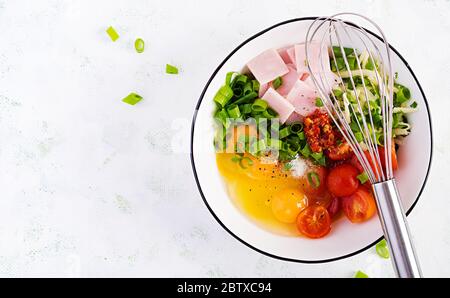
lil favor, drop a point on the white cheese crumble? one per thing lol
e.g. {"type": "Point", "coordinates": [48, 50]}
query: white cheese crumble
{"type": "Point", "coordinates": [298, 166]}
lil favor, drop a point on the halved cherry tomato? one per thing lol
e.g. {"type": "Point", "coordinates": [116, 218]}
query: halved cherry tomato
{"type": "Point", "coordinates": [355, 162]}
{"type": "Point", "coordinates": [342, 181]}
{"type": "Point", "coordinates": [334, 207]}
{"type": "Point", "coordinates": [374, 166]}
{"type": "Point", "coordinates": [314, 222]}
{"type": "Point", "coordinates": [359, 206]}
{"type": "Point", "coordinates": [317, 175]}
{"type": "Point", "coordinates": [393, 157]}
{"type": "Point", "coordinates": [342, 151]}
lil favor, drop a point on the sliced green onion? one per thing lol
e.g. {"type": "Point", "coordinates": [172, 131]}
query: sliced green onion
{"type": "Point", "coordinates": [246, 98]}
{"type": "Point", "coordinates": [112, 33]}
{"type": "Point", "coordinates": [269, 113]}
{"type": "Point", "coordinates": [317, 155]}
{"type": "Point", "coordinates": [287, 166]}
{"type": "Point", "coordinates": [132, 98]}
{"type": "Point", "coordinates": [363, 178]}
{"type": "Point", "coordinates": [258, 146]}
{"type": "Point", "coordinates": [306, 151]}
{"type": "Point", "coordinates": [296, 127]}
{"type": "Point", "coordinates": [338, 53]}
{"type": "Point", "coordinates": [236, 158]}
{"type": "Point", "coordinates": [301, 135]}
{"type": "Point", "coordinates": [360, 274]}
{"type": "Point", "coordinates": [403, 95]}
{"type": "Point", "coordinates": [259, 105]}
{"type": "Point", "coordinates": [359, 137]}
{"type": "Point", "coordinates": [370, 64]}
{"type": "Point", "coordinates": [337, 92]}
{"type": "Point", "coordinates": [222, 116]}
{"type": "Point", "coordinates": [240, 79]}
{"type": "Point", "coordinates": [233, 111]}
{"type": "Point", "coordinates": [223, 95]}
{"type": "Point", "coordinates": [313, 179]}
{"type": "Point", "coordinates": [293, 148]}
{"type": "Point", "coordinates": [246, 108]}
{"type": "Point", "coordinates": [382, 249]}
{"type": "Point", "coordinates": [245, 160]}
{"type": "Point", "coordinates": [277, 83]}
{"type": "Point", "coordinates": [139, 45]}
{"type": "Point", "coordinates": [248, 88]}
{"type": "Point", "coordinates": [255, 85]}
{"type": "Point", "coordinates": [319, 102]}
{"type": "Point", "coordinates": [414, 105]}
{"type": "Point", "coordinates": [229, 77]}
{"type": "Point", "coordinates": [284, 132]}
{"type": "Point", "coordinates": [170, 69]}
{"type": "Point", "coordinates": [352, 63]}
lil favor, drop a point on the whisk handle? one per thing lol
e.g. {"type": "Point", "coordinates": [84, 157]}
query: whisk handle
{"type": "Point", "coordinates": [396, 229]}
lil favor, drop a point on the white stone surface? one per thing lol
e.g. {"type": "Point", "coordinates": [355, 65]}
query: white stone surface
{"type": "Point", "coordinates": [93, 187]}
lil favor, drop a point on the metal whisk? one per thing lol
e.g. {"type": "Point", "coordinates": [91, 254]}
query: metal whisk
{"type": "Point", "coordinates": [345, 35]}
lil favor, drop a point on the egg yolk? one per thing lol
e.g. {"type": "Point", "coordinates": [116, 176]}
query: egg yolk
{"type": "Point", "coordinates": [287, 204]}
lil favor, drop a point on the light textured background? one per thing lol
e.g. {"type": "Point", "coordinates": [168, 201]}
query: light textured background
{"type": "Point", "coordinates": [93, 187]}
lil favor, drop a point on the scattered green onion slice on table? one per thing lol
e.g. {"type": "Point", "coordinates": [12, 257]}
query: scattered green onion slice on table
{"type": "Point", "coordinates": [170, 69]}
{"type": "Point", "coordinates": [360, 274]}
{"type": "Point", "coordinates": [132, 98]}
{"type": "Point", "coordinates": [112, 33]}
{"type": "Point", "coordinates": [139, 45]}
{"type": "Point", "coordinates": [382, 249]}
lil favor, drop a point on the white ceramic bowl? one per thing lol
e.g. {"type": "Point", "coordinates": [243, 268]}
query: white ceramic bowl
{"type": "Point", "coordinates": [346, 239]}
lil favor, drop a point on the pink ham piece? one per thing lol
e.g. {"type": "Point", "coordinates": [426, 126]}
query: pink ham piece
{"type": "Point", "coordinates": [267, 66]}
{"type": "Point", "coordinates": [291, 54]}
{"type": "Point", "coordinates": [303, 98]}
{"type": "Point", "coordinates": [289, 80]}
{"type": "Point", "coordinates": [330, 80]}
{"type": "Point", "coordinates": [316, 58]}
{"type": "Point", "coordinates": [277, 102]}
{"type": "Point", "coordinates": [262, 89]}
{"type": "Point", "coordinates": [294, 118]}
{"type": "Point", "coordinates": [285, 56]}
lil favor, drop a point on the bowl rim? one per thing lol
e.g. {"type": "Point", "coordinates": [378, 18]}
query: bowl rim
{"type": "Point", "coordinates": [197, 107]}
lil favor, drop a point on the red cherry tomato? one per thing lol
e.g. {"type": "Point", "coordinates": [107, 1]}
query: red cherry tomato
{"type": "Point", "coordinates": [359, 206]}
{"type": "Point", "coordinates": [340, 152]}
{"type": "Point", "coordinates": [342, 181]}
{"type": "Point", "coordinates": [313, 182]}
{"type": "Point", "coordinates": [314, 222]}
{"type": "Point", "coordinates": [334, 207]}
{"type": "Point", "coordinates": [393, 157]}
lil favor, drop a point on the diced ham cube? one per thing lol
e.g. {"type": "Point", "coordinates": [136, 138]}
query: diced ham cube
{"type": "Point", "coordinates": [277, 102]}
{"type": "Point", "coordinates": [289, 80]}
{"type": "Point", "coordinates": [267, 66]}
{"type": "Point", "coordinates": [291, 54]}
{"type": "Point", "coordinates": [262, 89]}
{"type": "Point", "coordinates": [285, 56]}
{"type": "Point", "coordinates": [295, 117]}
{"type": "Point", "coordinates": [329, 81]}
{"type": "Point", "coordinates": [303, 98]}
{"type": "Point", "coordinates": [319, 61]}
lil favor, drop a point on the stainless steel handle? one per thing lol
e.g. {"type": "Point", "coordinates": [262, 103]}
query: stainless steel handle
{"type": "Point", "coordinates": [396, 229]}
